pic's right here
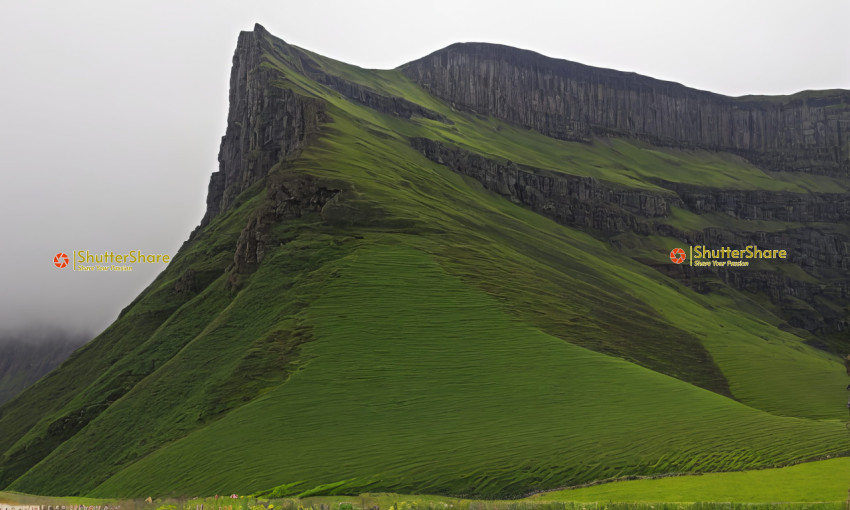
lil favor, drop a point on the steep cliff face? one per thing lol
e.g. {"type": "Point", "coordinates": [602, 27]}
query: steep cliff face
{"type": "Point", "coordinates": [808, 132]}
{"type": "Point", "coordinates": [265, 124]}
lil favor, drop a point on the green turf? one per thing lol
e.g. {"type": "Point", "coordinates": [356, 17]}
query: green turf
{"type": "Point", "coordinates": [827, 480]}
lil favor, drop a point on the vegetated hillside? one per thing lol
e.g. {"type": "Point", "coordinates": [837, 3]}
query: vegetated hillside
{"type": "Point", "coordinates": [391, 292]}
{"type": "Point", "coordinates": [27, 356]}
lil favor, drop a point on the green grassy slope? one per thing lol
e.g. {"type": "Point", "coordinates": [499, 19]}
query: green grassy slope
{"type": "Point", "coordinates": [427, 386]}
{"type": "Point", "coordinates": [422, 334]}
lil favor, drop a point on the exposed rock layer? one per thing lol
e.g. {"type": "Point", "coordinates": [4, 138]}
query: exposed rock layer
{"type": "Point", "coordinates": [571, 200]}
{"type": "Point", "coordinates": [765, 205]}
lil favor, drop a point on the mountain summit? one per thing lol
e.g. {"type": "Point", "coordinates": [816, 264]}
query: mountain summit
{"type": "Point", "coordinates": [455, 277]}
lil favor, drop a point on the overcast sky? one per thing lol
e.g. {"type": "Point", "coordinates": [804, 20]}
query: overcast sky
{"type": "Point", "coordinates": [111, 112]}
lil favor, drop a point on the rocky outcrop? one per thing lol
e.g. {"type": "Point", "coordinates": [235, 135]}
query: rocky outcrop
{"type": "Point", "coordinates": [807, 132]}
{"type": "Point", "coordinates": [187, 283]}
{"type": "Point", "coordinates": [266, 124]}
{"type": "Point", "coordinates": [570, 200]}
{"type": "Point", "coordinates": [288, 197]}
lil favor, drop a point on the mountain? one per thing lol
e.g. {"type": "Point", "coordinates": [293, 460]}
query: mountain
{"type": "Point", "coordinates": [455, 277]}
{"type": "Point", "coordinates": [26, 357]}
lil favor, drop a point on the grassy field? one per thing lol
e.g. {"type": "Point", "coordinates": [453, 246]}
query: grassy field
{"type": "Point", "coordinates": [815, 485]}
{"type": "Point", "coordinates": [827, 480]}
{"type": "Point", "coordinates": [422, 335]}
